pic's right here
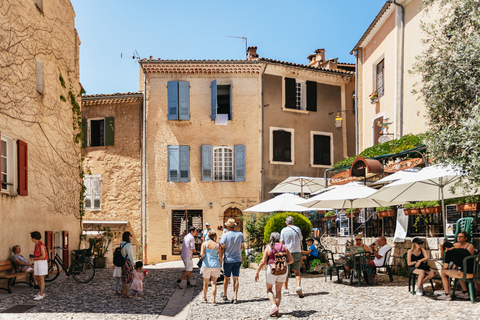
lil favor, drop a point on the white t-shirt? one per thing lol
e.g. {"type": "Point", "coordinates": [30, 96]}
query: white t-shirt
{"type": "Point", "coordinates": [188, 246]}
{"type": "Point", "coordinates": [292, 238]}
{"type": "Point", "coordinates": [383, 250]}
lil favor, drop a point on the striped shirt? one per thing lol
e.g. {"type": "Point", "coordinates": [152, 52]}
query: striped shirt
{"type": "Point", "coordinates": [292, 238]}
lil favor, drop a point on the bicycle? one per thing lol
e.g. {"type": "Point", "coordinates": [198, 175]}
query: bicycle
{"type": "Point", "coordinates": [81, 268]}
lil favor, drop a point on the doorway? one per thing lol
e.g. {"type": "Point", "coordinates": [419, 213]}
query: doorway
{"type": "Point", "coordinates": [236, 214]}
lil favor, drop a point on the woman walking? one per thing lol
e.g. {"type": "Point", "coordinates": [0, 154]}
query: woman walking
{"type": "Point", "coordinates": [212, 255]}
{"type": "Point", "coordinates": [417, 258]}
{"type": "Point", "coordinates": [127, 268]}
{"type": "Point", "coordinates": [40, 267]}
{"type": "Point", "coordinates": [271, 280]}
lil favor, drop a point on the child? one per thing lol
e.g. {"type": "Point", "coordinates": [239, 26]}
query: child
{"type": "Point", "coordinates": [117, 275]}
{"type": "Point", "coordinates": [138, 275]}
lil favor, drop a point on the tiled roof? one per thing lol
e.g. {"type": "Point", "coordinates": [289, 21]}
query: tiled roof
{"type": "Point", "coordinates": [104, 98]}
{"type": "Point", "coordinates": [343, 72]}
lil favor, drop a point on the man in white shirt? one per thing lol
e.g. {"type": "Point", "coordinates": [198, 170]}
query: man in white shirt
{"type": "Point", "coordinates": [291, 237]}
{"type": "Point", "coordinates": [380, 253]}
{"type": "Point", "coordinates": [188, 249]}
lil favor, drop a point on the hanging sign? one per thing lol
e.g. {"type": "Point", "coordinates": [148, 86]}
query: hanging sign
{"type": "Point", "coordinates": [402, 165]}
{"type": "Point", "coordinates": [343, 178]}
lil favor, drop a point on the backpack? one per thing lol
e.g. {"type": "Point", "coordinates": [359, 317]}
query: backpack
{"type": "Point", "coordinates": [279, 266]}
{"type": "Point", "coordinates": [118, 259]}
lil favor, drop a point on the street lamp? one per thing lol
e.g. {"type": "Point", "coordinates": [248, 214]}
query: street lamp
{"type": "Point", "coordinates": [339, 119]}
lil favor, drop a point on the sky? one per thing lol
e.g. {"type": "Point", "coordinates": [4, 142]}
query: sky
{"type": "Point", "coordinates": [287, 30]}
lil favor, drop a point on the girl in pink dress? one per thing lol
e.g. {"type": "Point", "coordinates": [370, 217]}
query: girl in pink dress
{"type": "Point", "coordinates": [137, 283]}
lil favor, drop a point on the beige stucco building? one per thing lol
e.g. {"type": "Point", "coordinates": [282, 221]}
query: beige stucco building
{"type": "Point", "coordinates": [40, 185]}
{"type": "Point", "coordinates": [386, 53]}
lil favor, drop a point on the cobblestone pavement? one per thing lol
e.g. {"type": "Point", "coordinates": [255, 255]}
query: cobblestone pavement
{"type": "Point", "coordinates": [66, 299]}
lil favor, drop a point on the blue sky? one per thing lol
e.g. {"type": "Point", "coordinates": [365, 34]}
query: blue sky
{"type": "Point", "coordinates": [284, 29]}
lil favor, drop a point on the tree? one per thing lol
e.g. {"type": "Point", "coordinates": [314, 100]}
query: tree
{"type": "Point", "coordinates": [277, 223]}
{"type": "Point", "coordinates": [450, 87]}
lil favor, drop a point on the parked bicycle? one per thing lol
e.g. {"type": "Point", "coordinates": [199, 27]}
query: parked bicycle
{"type": "Point", "coordinates": [81, 268]}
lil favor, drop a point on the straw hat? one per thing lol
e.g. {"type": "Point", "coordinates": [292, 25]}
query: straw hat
{"type": "Point", "coordinates": [230, 223]}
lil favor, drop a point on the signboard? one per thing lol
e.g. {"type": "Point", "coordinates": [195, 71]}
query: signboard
{"type": "Point", "coordinates": [402, 226]}
{"type": "Point", "coordinates": [385, 138]}
{"type": "Point", "coordinates": [343, 178]}
{"type": "Point", "coordinates": [344, 226]}
{"type": "Point", "coordinates": [402, 165]}
{"type": "Point", "coordinates": [452, 217]}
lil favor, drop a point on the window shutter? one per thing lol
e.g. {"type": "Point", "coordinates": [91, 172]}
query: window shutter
{"type": "Point", "coordinates": [173, 163]}
{"type": "Point", "coordinates": [109, 131]}
{"type": "Point", "coordinates": [84, 131]}
{"type": "Point", "coordinates": [231, 102]}
{"type": "Point", "coordinates": [322, 150]}
{"type": "Point", "coordinates": [311, 96]}
{"type": "Point", "coordinates": [49, 243]}
{"type": "Point", "coordinates": [40, 78]}
{"type": "Point", "coordinates": [172, 87]}
{"type": "Point", "coordinates": [96, 185]}
{"type": "Point", "coordinates": [240, 163]}
{"type": "Point", "coordinates": [183, 100]}
{"type": "Point", "coordinates": [206, 163]}
{"type": "Point", "coordinates": [87, 181]}
{"type": "Point", "coordinates": [214, 104]}
{"type": "Point", "coordinates": [184, 163]}
{"type": "Point", "coordinates": [66, 253]}
{"type": "Point", "coordinates": [22, 168]}
{"type": "Point", "coordinates": [290, 93]}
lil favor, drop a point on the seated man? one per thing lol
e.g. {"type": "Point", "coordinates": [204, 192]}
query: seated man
{"type": "Point", "coordinates": [21, 262]}
{"type": "Point", "coordinates": [380, 253]}
{"type": "Point", "coordinates": [310, 254]}
{"type": "Point", "coordinates": [452, 267]}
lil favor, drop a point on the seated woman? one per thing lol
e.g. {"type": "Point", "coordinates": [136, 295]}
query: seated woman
{"type": "Point", "coordinates": [463, 242]}
{"type": "Point", "coordinates": [310, 254]}
{"type": "Point", "coordinates": [358, 247]}
{"type": "Point", "coordinates": [22, 263]}
{"type": "Point", "coordinates": [417, 258]}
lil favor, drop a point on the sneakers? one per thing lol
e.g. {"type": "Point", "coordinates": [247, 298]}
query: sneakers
{"type": "Point", "coordinates": [300, 293]}
{"type": "Point", "coordinates": [419, 292]}
{"type": "Point", "coordinates": [286, 292]}
{"type": "Point", "coordinates": [189, 285]}
{"type": "Point", "coordinates": [462, 295]}
{"type": "Point", "coordinates": [224, 298]}
{"type": "Point", "coordinates": [445, 297]}
{"type": "Point", "coordinates": [39, 297]}
{"type": "Point", "coordinates": [273, 311]}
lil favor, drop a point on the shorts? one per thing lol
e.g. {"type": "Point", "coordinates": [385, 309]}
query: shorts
{"type": "Point", "coordinates": [297, 256]}
{"type": "Point", "coordinates": [272, 279]}
{"type": "Point", "coordinates": [26, 269]}
{"type": "Point", "coordinates": [211, 272]}
{"type": "Point", "coordinates": [188, 262]}
{"type": "Point", "coordinates": [232, 269]}
{"type": "Point", "coordinates": [40, 267]}
{"type": "Point", "coordinates": [454, 273]}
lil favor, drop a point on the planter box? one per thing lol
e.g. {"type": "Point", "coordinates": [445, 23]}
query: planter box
{"type": "Point", "coordinates": [100, 262]}
{"type": "Point", "coordinates": [388, 213]}
{"type": "Point", "coordinates": [468, 207]}
{"type": "Point", "coordinates": [411, 212]}
{"type": "Point", "coordinates": [331, 218]}
{"type": "Point", "coordinates": [431, 210]}
{"type": "Point", "coordinates": [355, 214]}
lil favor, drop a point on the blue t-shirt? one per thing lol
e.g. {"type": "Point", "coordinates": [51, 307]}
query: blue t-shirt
{"type": "Point", "coordinates": [314, 252]}
{"type": "Point", "coordinates": [233, 246]}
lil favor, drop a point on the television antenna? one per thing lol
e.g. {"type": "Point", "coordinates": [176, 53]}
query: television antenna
{"type": "Point", "coordinates": [135, 56]}
{"type": "Point", "coordinates": [243, 39]}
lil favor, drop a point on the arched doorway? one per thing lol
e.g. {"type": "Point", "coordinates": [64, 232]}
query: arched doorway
{"type": "Point", "coordinates": [236, 214]}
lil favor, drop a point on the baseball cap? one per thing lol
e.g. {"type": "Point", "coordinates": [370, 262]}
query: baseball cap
{"type": "Point", "coordinates": [447, 244]}
{"type": "Point", "coordinates": [207, 224]}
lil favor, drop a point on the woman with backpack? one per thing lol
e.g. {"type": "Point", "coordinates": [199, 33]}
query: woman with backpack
{"type": "Point", "coordinates": [127, 268]}
{"type": "Point", "coordinates": [276, 257]}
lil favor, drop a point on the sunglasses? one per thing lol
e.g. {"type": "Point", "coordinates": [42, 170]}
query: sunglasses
{"type": "Point", "coordinates": [358, 239]}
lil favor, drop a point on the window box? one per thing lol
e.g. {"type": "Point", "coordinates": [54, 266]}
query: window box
{"type": "Point", "coordinates": [374, 101]}
{"type": "Point", "coordinates": [411, 212]}
{"type": "Point", "coordinates": [468, 207]}
{"type": "Point", "coordinates": [431, 210]}
{"type": "Point", "coordinates": [355, 213]}
{"type": "Point", "coordinates": [388, 213]}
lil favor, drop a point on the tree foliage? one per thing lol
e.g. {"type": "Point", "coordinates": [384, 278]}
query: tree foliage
{"type": "Point", "coordinates": [277, 223]}
{"type": "Point", "coordinates": [254, 226]}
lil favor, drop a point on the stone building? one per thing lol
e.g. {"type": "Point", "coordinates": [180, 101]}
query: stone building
{"type": "Point", "coordinates": [39, 78]}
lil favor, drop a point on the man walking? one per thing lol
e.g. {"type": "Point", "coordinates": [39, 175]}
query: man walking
{"type": "Point", "coordinates": [205, 232]}
{"type": "Point", "coordinates": [188, 249]}
{"type": "Point", "coordinates": [233, 244]}
{"type": "Point", "coordinates": [291, 237]}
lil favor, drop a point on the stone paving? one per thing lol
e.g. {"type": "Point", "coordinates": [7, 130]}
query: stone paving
{"type": "Point", "coordinates": [66, 299]}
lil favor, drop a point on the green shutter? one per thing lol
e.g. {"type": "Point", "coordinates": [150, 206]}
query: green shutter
{"type": "Point", "coordinates": [109, 131]}
{"type": "Point", "coordinates": [213, 99]}
{"type": "Point", "coordinates": [84, 131]}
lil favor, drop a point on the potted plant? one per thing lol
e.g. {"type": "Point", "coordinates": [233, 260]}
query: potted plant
{"type": "Point", "coordinates": [330, 215]}
{"type": "Point", "coordinates": [411, 209]}
{"type": "Point", "coordinates": [430, 207]}
{"type": "Point", "coordinates": [351, 211]}
{"type": "Point", "coordinates": [373, 97]}
{"type": "Point", "coordinates": [383, 212]}
{"type": "Point", "coordinates": [102, 242]}
{"type": "Point", "coordinates": [470, 203]}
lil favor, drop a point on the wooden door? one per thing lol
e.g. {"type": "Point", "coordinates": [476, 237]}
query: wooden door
{"type": "Point", "coordinates": [236, 214]}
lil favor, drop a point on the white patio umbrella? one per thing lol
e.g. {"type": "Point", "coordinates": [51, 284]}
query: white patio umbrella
{"type": "Point", "coordinates": [300, 185]}
{"type": "Point", "coordinates": [283, 203]}
{"type": "Point", "coordinates": [398, 176]}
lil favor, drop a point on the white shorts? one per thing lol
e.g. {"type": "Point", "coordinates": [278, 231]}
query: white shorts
{"type": "Point", "coordinates": [40, 267]}
{"type": "Point", "coordinates": [27, 269]}
{"type": "Point", "coordinates": [188, 262]}
{"type": "Point", "coordinates": [211, 272]}
{"type": "Point", "coordinates": [272, 279]}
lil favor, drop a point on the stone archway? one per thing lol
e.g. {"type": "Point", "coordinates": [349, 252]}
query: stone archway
{"type": "Point", "coordinates": [236, 214]}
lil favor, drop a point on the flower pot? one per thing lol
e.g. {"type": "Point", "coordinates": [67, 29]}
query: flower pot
{"type": "Point", "coordinates": [388, 213]}
{"type": "Point", "coordinates": [100, 262]}
{"type": "Point", "coordinates": [374, 101]}
{"type": "Point", "coordinates": [467, 207]}
{"type": "Point", "coordinates": [355, 214]}
{"type": "Point", "coordinates": [411, 212]}
{"type": "Point", "coordinates": [431, 210]}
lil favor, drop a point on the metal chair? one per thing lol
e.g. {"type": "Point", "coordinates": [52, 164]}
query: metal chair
{"type": "Point", "coordinates": [332, 266]}
{"type": "Point", "coordinates": [387, 265]}
{"type": "Point", "coordinates": [464, 225]}
{"type": "Point", "coordinates": [361, 267]}
{"type": "Point", "coordinates": [412, 276]}
{"type": "Point", "coordinates": [470, 278]}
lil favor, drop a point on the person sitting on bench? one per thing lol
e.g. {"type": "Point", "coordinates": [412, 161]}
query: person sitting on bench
{"type": "Point", "coordinates": [21, 262]}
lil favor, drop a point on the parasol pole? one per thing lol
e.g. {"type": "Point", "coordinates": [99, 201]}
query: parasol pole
{"type": "Point", "coordinates": [351, 219]}
{"type": "Point", "coordinates": [444, 215]}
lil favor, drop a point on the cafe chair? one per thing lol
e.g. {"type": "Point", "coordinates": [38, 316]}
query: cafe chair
{"type": "Point", "coordinates": [386, 265]}
{"type": "Point", "coordinates": [470, 278]}
{"type": "Point", "coordinates": [332, 266]}
{"type": "Point", "coordinates": [412, 277]}
{"type": "Point", "coordinates": [361, 267]}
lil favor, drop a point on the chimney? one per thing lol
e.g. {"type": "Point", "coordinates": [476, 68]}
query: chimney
{"type": "Point", "coordinates": [320, 55]}
{"type": "Point", "coordinates": [331, 64]}
{"type": "Point", "coordinates": [317, 59]}
{"type": "Point", "coordinates": [252, 53]}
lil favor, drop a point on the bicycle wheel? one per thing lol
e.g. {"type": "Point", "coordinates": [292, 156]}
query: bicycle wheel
{"type": "Point", "coordinates": [83, 272]}
{"type": "Point", "coordinates": [53, 271]}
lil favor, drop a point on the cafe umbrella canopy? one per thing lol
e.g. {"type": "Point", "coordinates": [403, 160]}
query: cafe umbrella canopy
{"type": "Point", "coordinates": [300, 185]}
{"type": "Point", "coordinates": [283, 203]}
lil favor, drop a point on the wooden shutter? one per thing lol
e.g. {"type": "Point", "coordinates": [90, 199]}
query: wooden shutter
{"type": "Point", "coordinates": [172, 88]}
{"type": "Point", "coordinates": [240, 163]}
{"type": "Point", "coordinates": [183, 100]}
{"type": "Point", "coordinates": [231, 102]}
{"type": "Point", "coordinates": [207, 163]}
{"type": "Point", "coordinates": [377, 130]}
{"type": "Point", "coordinates": [40, 78]}
{"type": "Point", "coordinates": [84, 131]}
{"type": "Point", "coordinates": [173, 163]}
{"type": "Point", "coordinates": [214, 104]}
{"type": "Point", "coordinates": [184, 163]}
{"type": "Point", "coordinates": [66, 252]}
{"type": "Point", "coordinates": [22, 168]}
{"type": "Point", "coordinates": [290, 93]}
{"type": "Point", "coordinates": [322, 150]}
{"type": "Point", "coordinates": [109, 131]}
{"type": "Point", "coordinates": [311, 96]}
{"type": "Point", "coordinates": [49, 243]}
{"type": "Point", "coordinates": [96, 187]}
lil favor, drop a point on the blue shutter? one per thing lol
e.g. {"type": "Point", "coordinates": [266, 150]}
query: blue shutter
{"type": "Point", "coordinates": [240, 160]}
{"type": "Point", "coordinates": [173, 163]}
{"type": "Point", "coordinates": [206, 163]}
{"type": "Point", "coordinates": [214, 106]}
{"type": "Point", "coordinates": [183, 100]}
{"type": "Point", "coordinates": [184, 163]}
{"type": "Point", "coordinates": [231, 102]}
{"type": "Point", "coordinates": [172, 87]}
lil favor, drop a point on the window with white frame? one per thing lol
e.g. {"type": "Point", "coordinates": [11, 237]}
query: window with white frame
{"type": "Point", "coordinates": [7, 164]}
{"type": "Point", "coordinates": [282, 145]}
{"type": "Point", "coordinates": [93, 192]}
{"type": "Point", "coordinates": [321, 149]}
{"type": "Point", "coordinates": [300, 94]}
{"type": "Point", "coordinates": [222, 164]}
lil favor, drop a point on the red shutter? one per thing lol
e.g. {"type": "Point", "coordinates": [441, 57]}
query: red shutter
{"type": "Point", "coordinates": [49, 243]}
{"type": "Point", "coordinates": [0, 161]}
{"type": "Point", "coordinates": [22, 168]}
{"type": "Point", "coordinates": [66, 253]}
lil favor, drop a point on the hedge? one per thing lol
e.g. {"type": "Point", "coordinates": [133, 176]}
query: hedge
{"type": "Point", "coordinates": [277, 223]}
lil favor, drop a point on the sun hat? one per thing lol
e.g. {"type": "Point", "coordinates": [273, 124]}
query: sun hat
{"type": "Point", "coordinates": [230, 223]}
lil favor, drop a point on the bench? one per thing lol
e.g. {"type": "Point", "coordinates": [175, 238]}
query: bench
{"type": "Point", "coordinates": [12, 274]}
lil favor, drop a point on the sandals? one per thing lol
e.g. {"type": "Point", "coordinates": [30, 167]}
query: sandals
{"type": "Point", "coordinates": [126, 296]}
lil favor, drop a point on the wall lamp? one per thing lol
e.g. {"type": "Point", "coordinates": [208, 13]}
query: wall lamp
{"type": "Point", "coordinates": [339, 119]}
{"type": "Point", "coordinates": [163, 205]}
{"type": "Point", "coordinates": [211, 205]}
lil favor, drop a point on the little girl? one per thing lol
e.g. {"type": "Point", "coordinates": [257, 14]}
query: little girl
{"type": "Point", "coordinates": [117, 275]}
{"type": "Point", "coordinates": [137, 283]}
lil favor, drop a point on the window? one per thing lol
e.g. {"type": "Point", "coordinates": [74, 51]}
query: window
{"type": "Point", "coordinates": [8, 155]}
{"type": "Point", "coordinates": [178, 163]}
{"type": "Point", "coordinates": [281, 145]}
{"type": "Point", "coordinates": [181, 221]}
{"type": "Point", "coordinates": [380, 78]}
{"type": "Point", "coordinates": [321, 149]}
{"type": "Point", "coordinates": [300, 94]}
{"type": "Point", "coordinates": [98, 132]}
{"type": "Point", "coordinates": [6, 164]}
{"type": "Point", "coordinates": [93, 192]}
{"type": "Point", "coordinates": [40, 77]}
{"type": "Point", "coordinates": [178, 100]}
{"type": "Point", "coordinates": [221, 106]}
{"type": "Point", "coordinates": [229, 164]}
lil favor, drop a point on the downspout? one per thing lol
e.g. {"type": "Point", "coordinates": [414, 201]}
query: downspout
{"type": "Point", "coordinates": [356, 102]}
{"type": "Point", "coordinates": [141, 166]}
{"type": "Point", "coordinates": [144, 164]}
{"type": "Point", "coordinates": [263, 138]}
{"type": "Point", "coordinates": [400, 111]}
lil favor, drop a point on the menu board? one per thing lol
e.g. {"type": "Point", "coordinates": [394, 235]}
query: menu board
{"type": "Point", "coordinates": [452, 214]}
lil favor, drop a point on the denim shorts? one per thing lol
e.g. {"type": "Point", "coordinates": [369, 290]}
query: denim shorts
{"type": "Point", "coordinates": [231, 269]}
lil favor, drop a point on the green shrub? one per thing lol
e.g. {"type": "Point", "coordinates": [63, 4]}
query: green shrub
{"type": "Point", "coordinates": [277, 223]}
{"type": "Point", "coordinates": [348, 211]}
{"type": "Point", "coordinates": [411, 205]}
{"type": "Point", "coordinates": [254, 226]}
{"type": "Point", "coordinates": [380, 209]}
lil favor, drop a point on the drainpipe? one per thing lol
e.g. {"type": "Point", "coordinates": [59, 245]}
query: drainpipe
{"type": "Point", "coordinates": [399, 113]}
{"type": "Point", "coordinates": [263, 138]}
{"type": "Point", "coordinates": [356, 102]}
{"type": "Point", "coordinates": [141, 166]}
{"type": "Point", "coordinates": [143, 178]}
